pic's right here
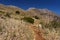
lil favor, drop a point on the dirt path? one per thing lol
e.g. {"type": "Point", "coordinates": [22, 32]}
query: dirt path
{"type": "Point", "coordinates": [37, 34]}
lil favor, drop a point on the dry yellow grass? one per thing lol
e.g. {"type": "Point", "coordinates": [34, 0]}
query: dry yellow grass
{"type": "Point", "coordinates": [52, 34]}
{"type": "Point", "coordinates": [14, 30]}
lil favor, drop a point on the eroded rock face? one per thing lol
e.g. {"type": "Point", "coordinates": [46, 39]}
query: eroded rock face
{"type": "Point", "coordinates": [11, 29]}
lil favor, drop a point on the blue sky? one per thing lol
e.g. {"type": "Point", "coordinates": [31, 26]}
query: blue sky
{"type": "Point", "coordinates": [53, 5]}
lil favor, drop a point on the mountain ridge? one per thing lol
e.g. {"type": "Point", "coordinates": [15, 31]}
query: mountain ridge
{"type": "Point", "coordinates": [31, 11]}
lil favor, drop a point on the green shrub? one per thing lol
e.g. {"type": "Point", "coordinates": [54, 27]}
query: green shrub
{"type": "Point", "coordinates": [53, 24]}
{"type": "Point", "coordinates": [36, 17]}
{"type": "Point", "coordinates": [7, 15]}
{"type": "Point", "coordinates": [1, 29]}
{"type": "Point", "coordinates": [1, 12]}
{"type": "Point", "coordinates": [17, 12]}
{"type": "Point", "coordinates": [28, 19]}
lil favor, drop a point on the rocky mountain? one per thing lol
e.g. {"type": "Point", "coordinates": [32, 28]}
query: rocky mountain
{"type": "Point", "coordinates": [45, 14]}
{"type": "Point", "coordinates": [30, 24]}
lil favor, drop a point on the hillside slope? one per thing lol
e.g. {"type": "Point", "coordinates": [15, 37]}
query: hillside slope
{"type": "Point", "coordinates": [30, 24]}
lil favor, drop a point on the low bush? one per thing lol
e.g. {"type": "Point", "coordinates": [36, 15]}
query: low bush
{"type": "Point", "coordinates": [36, 17]}
{"type": "Point", "coordinates": [53, 24]}
{"type": "Point", "coordinates": [28, 19]}
{"type": "Point", "coordinates": [1, 12]}
{"type": "Point", "coordinates": [17, 12]}
{"type": "Point", "coordinates": [7, 15]}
